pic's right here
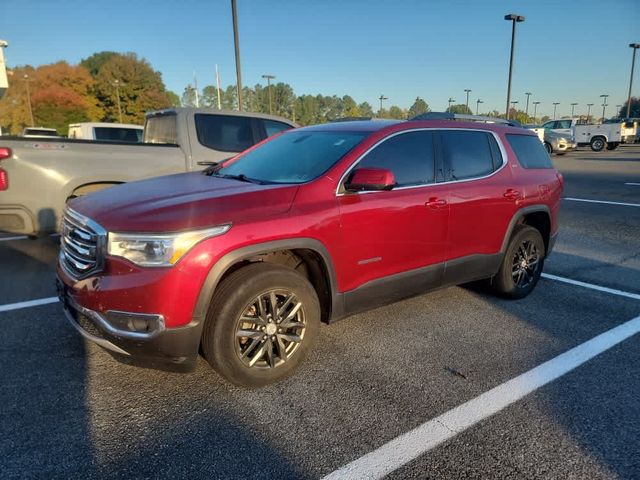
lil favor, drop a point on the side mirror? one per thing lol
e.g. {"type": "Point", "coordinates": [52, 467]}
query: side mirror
{"type": "Point", "coordinates": [366, 179]}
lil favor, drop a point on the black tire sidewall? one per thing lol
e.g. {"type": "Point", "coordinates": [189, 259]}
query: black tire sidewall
{"type": "Point", "coordinates": [236, 292]}
{"type": "Point", "coordinates": [547, 147]}
{"type": "Point", "coordinates": [596, 142]}
{"type": "Point", "coordinates": [504, 279]}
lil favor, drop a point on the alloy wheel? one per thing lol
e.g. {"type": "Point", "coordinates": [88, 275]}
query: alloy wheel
{"type": "Point", "coordinates": [525, 264]}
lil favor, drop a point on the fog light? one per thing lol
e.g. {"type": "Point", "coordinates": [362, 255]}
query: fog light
{"type": "Point", "coordinates": [135, 322]}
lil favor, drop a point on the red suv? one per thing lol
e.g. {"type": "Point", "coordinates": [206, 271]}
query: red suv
{"type": "Point", "coordinates": [244, 260]}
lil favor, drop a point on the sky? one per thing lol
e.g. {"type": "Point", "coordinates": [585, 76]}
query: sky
{"type": "Point", "coordinates": [566, 51]}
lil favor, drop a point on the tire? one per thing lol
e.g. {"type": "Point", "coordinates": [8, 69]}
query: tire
{"type": "Point", "coordinates": [509, 283]}
{"type": "Point", "coordinates": [598, 144]}
{"type": "Point", "coordinates": [238, 296]}
{"type": "Point", "coordinates": [612, 146]}
{"type": "Point", "coordinates": [548, 148]}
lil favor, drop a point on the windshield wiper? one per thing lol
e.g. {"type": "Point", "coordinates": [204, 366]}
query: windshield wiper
{"type": "Point", "coordinates": [241, 176]}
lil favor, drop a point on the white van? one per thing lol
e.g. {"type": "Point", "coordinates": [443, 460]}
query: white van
{"type": "Point", "coordinates": [107, 132]}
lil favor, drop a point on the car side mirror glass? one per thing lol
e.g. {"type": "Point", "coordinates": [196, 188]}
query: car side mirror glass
{"type": "Point", "coordinates": [370, 179]}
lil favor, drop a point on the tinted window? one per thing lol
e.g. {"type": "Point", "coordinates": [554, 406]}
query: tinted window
{"type": "Point", "coordinates": [161, 129]}
{"type": "Point", "coordinates": [133, 135]}
{"type": "Point", "coordinates": [530, 152]}
{"type": "Point", "coordinates": [272, 127]}
{"type": "Point", "coordinates": [227, 133]}
{"type": "Point", "coordinates": [294, 157]}
{"type": "Point", "coordinates": [563, 124]}
{"type": "Point", "coordinates": [549, 125]}
{"type": "Point", "coordinates": [409, 156]}
{"type": "Point", "coordinates": [467, 154]}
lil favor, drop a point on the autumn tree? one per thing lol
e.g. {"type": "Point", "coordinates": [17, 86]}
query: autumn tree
{"type": "Point", "coordinates": [397, 113]}
{"type": "Point", "coordinates": [460, 108]}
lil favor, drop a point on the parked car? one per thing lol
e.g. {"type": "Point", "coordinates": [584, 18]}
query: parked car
{"type": "Point", "coordinates": [245, 260]}
{"type": "Point", "coordinates": [40, 132]}
{"type": "Point", "coordinates": [598, 137]}
{"type": "Point", "coordinates": [107, 132]}
{"type": "Point", "coordinates": [175, 140]}
{"type": "Point", "coordinates": [554, 143]}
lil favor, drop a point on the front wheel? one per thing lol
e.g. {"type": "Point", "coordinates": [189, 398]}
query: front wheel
{"type": "Point", "coordinates": [262, 321]}
{"type": "Point", "coordinates": [522, 263]}
{"type": "Point", "coordinates": [548, 148]}
{"type": "Point", "coordinates": [598, 144]}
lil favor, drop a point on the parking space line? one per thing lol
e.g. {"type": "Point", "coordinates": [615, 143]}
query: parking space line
{"type": "Point", "coordinates": [420, 440]}
{"type": "Point", "coordinates": [592, 286]}
{"type": "Point", "coordinates": [623, 204]}
{"type": "Point", "coordinates": [27, 304]}
{"type": "Point", "coordinates": [6, 239]}
{"type": "Point", "coordinates": [633, 183]}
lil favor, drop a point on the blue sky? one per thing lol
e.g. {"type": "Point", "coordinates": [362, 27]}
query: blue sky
{"type": "Point", "coordinates": [566, 51]}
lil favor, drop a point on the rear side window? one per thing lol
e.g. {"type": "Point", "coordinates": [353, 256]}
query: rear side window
{"type": "Point", "coordinates": [529, 150]}
{"type": "Point", "coordinates": [161, 129]}
{"type": "Point", "coordinates": [272, 127]}
{"type": "Point", "coordinates": [409, 156]}
{"type": "Point", "coordinates": [467, 154]}
{"type": "Point", "coordinates": [563, 124]}
{"type": "Point", "coordinates": [226, 133]}
{"type": "Point", "coordinates": [131, 135]}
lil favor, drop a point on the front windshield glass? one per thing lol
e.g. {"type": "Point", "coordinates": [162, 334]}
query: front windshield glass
{"type": "Point", "coordinates": [294, 157]}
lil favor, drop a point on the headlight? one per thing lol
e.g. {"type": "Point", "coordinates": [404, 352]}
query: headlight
{"type": "Point", "coordinates": [151, 250]}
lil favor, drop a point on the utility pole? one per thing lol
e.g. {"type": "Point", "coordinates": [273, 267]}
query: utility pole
{"type": "Point", "coordinates": [535, 110]}
{"type": "Point", "coordinates": [27, 80]}
{"type": "Point", "coordinates": [269, 78]}
{"type": "Point", "coordinates": [466, 90]}
{"type": "Point", "coordinates": [236, 43]}
{"type": "Point", "coordinates": [116, 83]}
{"type": "Point", "coordinates": [573, 106]}
{"type": "Point", "coordinates": [195, 88]}
{"type": "Point", "coordinates": [604, 105]}
{"type": "Point", "coordinates": [451, 100]}
{"type": "Point", "coordinates": [218, 85]}
{"type": "Point", "coordinates": [555, 105]}
{"type": "Point", "coordinates": [635, 46]}
{"type": "Point", "coordinates": [514, 19]}
{"type": "Point", "coordinates": [478, 102]}
{"type": "Point", "coordinates": [589, 105]}
{"type": "Point", "coordinates": [381, 98]}
{"type": "Point", "coordinates": [526, 111]}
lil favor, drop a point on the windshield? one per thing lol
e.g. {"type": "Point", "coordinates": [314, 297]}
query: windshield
{"type": "Point", "coordinates": [294, 157]}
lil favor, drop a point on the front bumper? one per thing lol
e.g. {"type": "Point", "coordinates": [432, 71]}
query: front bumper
{"type": "Point", "coordinates": [157, 347]}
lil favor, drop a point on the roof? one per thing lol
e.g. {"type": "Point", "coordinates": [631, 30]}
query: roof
{"type": "Point", "coordinates": [106, 124]}
{"type": "Point", "coordinates": [353, 126]}
{"type": "Point", "coordinates": [215, 111]}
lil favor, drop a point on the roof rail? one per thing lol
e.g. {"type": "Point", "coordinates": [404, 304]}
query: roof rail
{"type": "Point", "coordinates": [462, 116]}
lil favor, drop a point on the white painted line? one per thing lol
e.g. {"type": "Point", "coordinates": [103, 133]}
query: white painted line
{"type": "Point", "coordinates": [633, 183]}
{"type": "Point", "coordinates": [27, 304]}
{"type": "Point", "coordinates": [6, 239]}
{"type": "Point", "coordinates": [602, 201]}
{"type": "Point", "coordinates": [409, 446]}
{"type": "Point", "coordinates": [592, 286]}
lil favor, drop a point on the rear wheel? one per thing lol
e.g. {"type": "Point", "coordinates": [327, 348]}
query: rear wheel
{"type": "Point", "coordinates": [598, 144]}
{"type": "Point", "coordinates": [262, 321]}
{"type": "Point", "coordinates": [612, 146]}
{"type": "Point", "coordinates": [522, 263]}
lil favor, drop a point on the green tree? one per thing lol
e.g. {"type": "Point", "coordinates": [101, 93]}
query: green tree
{"type": "Point", "coordinates": [397, 113]}
{"type": "Point", "coordinates": [366, 110]}
{"type": "Point", "coordinates": [418, 108]}
{"type": "Point", "coordinates": [94, 62]}
{"type": "Point", "coordinates": [350, 107]}
{"type": "Point", "coordinates": [174, 98]}
{"type": "Point", "coordinates": [635, 109]}
{"type": "Point", "coordinates": [460, 108]}
{"type": "Point", "coordinates": [188, 98]}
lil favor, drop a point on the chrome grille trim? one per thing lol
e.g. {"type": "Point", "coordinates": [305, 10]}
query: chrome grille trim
{"type": "Point", "coordinates": [82, 248]}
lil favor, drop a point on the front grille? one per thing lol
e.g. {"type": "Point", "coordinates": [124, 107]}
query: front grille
{"type": "Point", "coordinates": [81, 245]}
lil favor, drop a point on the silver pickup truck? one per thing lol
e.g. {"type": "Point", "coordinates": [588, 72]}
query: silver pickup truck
{"type": "Point", "coordinates": [38, 176]}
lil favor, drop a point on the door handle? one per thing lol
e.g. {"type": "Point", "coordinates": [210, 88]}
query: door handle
{"type": "Point", "coordinates": [435, 202]}
{"type": "Point", "coordinates": [512, 194]}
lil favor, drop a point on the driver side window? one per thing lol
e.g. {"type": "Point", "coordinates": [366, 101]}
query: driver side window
{"type": "Point", "coordinates": [409, 156]}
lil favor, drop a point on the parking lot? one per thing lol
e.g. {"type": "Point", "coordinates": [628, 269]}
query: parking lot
{"type": "Point", "coordinates": [70, 410]}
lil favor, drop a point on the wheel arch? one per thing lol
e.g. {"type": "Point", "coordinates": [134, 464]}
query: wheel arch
{"type": "Point", "coordinates": [537, 216]}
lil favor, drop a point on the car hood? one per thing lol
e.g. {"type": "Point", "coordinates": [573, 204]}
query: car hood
{"type": "Point", "coordinates": [182, 202]}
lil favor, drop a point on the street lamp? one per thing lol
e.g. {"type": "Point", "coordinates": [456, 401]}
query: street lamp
{"type": "Point", "coordinates": [618, 108]}
{"type": "Point", "coordinates": [236, 43]}
{"type": "Point", "coordinates": [466, 90]}
{"type": "Point", "coordinates": [573, 106]}
{"type": "Point", "coordinates": [535, 109]}
{"type": "Point", "coordinates": [478, 102]}
{"type": "Point", "coordinates": [526, 111]}
{"type": "Point", "coordinates": [381, 98]}
{"type": "Point", "coordinates": [513, 104]}
{"type": "Point", "coordinates": [117, 84]}
{"type": "Point", "coordinates": [514, 19]}
{"type": "Point", "coordinates": [451, 100]}
{"type": "Point", "coordinates": [635, 46]}
{"type": "Point", "coordinates": [589, 105]}
{"type": "Point", "coordinates": [604, 105]}
{"type": "Point", "coordinates": [269, 78]}
{"type": "Point", "coordinates": [27, 80]}
{"type": "Point", "coordinates": [555, 105]}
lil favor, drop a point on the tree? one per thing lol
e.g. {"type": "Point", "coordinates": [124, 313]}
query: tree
{"type": "Point", "coordinates": [57, 107]}
{"type": "Point", "coordinates": [350, 107]}
{"type": "Point", "coordinates": [418, 108]}
{"type": "Point", "coordinates": [188, 96]}
{"type": "Point", "coordinates": [460, 109]}
{"type": "Point", "coordinates": [635, 109]}
{"type": "Point", "coordinates": [210, 96]}
{"type": "Point", "coordinates": [94, 62]}
{"type": "Point", "coordinates": [397, 113]}
{"type": "Point", "coordinates": [174, 99]}
{"type": "Point", "coordinates": [366, 110]}
{"type": "Point", "coordinates": [545, 118]}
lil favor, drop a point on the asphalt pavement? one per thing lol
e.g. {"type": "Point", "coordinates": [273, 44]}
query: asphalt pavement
{"type": "Point", "coordinates": [70, 410]}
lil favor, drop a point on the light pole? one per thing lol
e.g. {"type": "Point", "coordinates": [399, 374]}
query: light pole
{"type": "Point", "coordinates": [381, 98]}
{"type": "Point", "coordinates": [451, 100]}
{"type": "Point", "coordinates": [513, 18]}
{"type": "Point", "coordinates": [535, 109]}
{"type": "Point", "coordinates": [269, 78]}
{"type": "Point", "coordinates": [116, 83]}
{"type": "Point", "coordinates": [555, 105]}
{"type": "Point", "coordinates": [526, 111]}
{"type": "Point", "coordinates": [604, 105]}
{"type": "Point", "coordinates": [236, 43]}
{"type": "Point", "coordinates": [589, 105]}
{"type": "Point", "coordinates": [573, 106]}
{"type": "Point", "coordinates": [635, 46]}
{"type": "Point", "coordinates": [27, 80]}
{"type": "Point", "coordinates": [478, 102]}
{"type": "Point", "coordinates": [467, 91]}
{"type": "Point", "coordinates": [618, 108]}
{"type": "Point", "coordinates": [513, 105]}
